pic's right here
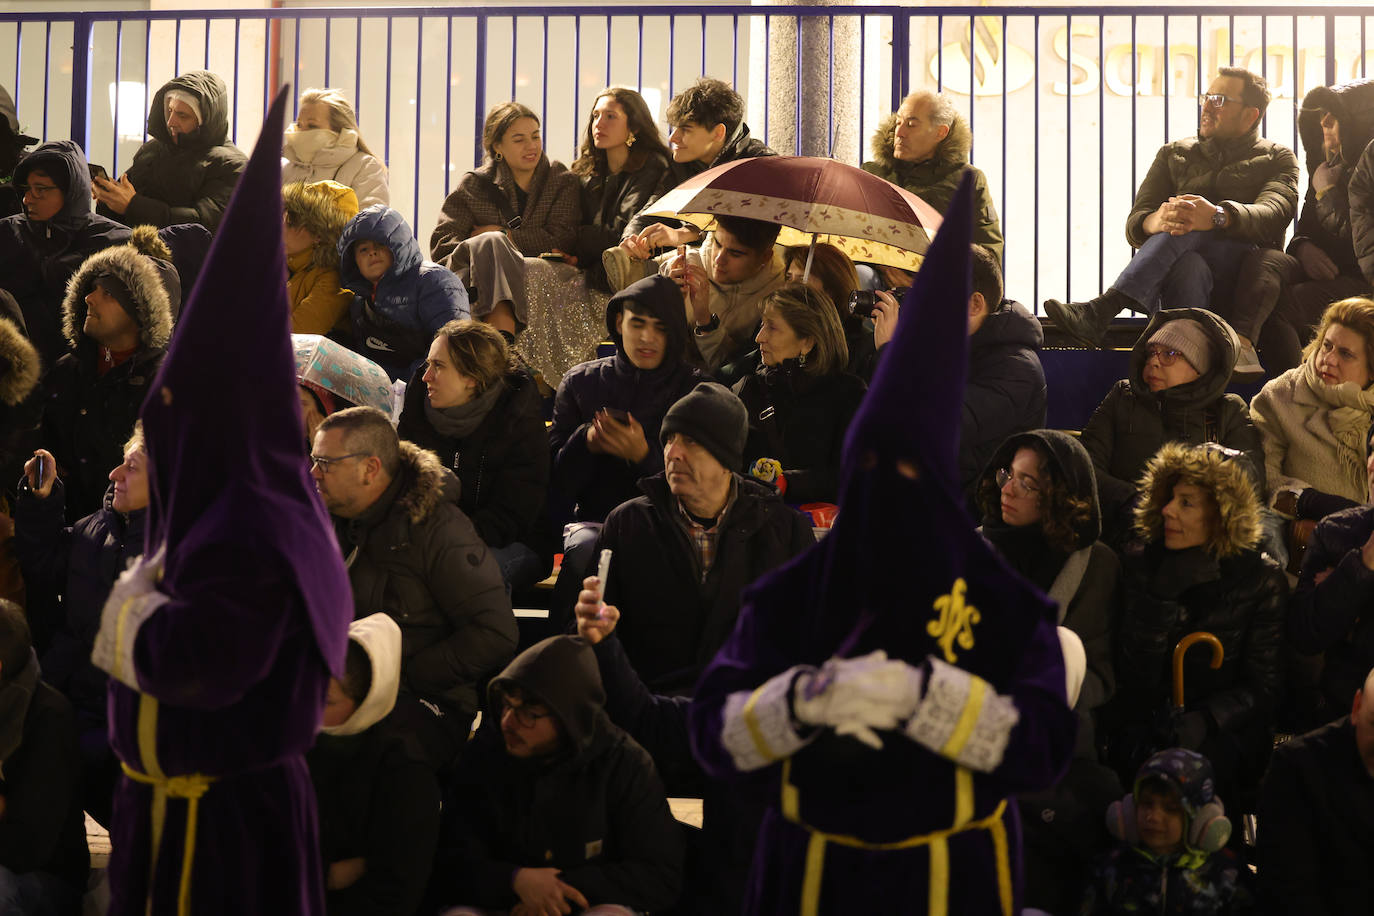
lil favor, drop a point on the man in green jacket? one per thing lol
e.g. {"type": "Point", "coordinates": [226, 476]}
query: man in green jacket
{"type": "Point", "coordinates": [1206, 202]}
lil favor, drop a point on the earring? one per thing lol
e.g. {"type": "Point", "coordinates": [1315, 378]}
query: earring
{"type": "Point", "coordinates": [498, 157]}
{"type": "Point", "coordinates": [801, 360]}
{"type": "Point", "coordinates": [630, 140]}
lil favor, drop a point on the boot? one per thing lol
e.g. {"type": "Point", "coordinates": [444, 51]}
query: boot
{"type": "Point", "coordinates": [1086, 322]}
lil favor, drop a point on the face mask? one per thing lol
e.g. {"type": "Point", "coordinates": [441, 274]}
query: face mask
{"type": "Point", "coordinates": [304, 145]}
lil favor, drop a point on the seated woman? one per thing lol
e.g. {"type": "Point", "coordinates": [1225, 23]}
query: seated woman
{"type": "Point", "coordinates": [330, 377]}
{"type": "Point", "coordinates": [800, 399]}
{"type": "Point", "coordinates": [495, 226]}
{"type": "Point", "coordinates": [1194, 568]}
{"type": "Point", "coordinates": [1315, 419]}
{"type": "Point", "coordinates": [1176, 392]}
{"type": "Point", "coordinates": [622, 159]}
{"type": "Point", "coordinates": [314, 218]}
{"type": "Point", "coordinates": [480, 413]}
{"type": "Point", "coordinates": [1039, 503]}
{"type": "Point", "coordinates": [833, 274]}
{"type": "Point", "coordinates": [324, 143]}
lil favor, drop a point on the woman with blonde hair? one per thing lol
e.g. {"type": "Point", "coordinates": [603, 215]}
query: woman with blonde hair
{"type": "Point", "coordinates": [801, 398]}
{"type": "Point", "coordinates": [1315, 418]}
{"type": "Point", "coordinates": [833, 273]}
{"type": "Point", "coordinates": [324, 144]}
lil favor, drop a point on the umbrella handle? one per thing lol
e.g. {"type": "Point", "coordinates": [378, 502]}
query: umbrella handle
{"type": "Point", "coordinates": [1180, 650]}
{"type": "Point", "coordinates": [810, 253]}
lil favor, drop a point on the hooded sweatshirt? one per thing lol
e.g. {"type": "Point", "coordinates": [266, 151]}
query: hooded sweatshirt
{"type": "Point", "coordinates": [594, 808]}
{"type": "Point", "coordinates": [596, 483]}
{"type": "Point", "coordinates": [936, 179]}
{"type": "Point", "coordinates": [395, 319]}
{"type": "Point", "coordinates": [1132, 421]}
{"type": "Point", "coordinates": [188, 180]}
{"type": "Point", "coordinates": [1327, 215]}
{"type": "Point", "coordinates": [37, 258]}
{"type": "Point", "coordinates": [318, 300]}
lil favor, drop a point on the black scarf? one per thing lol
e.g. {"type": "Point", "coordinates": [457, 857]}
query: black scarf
{"type": "Point", "coordinates": [462, 421]}
{"type": "Point", "coordinates": [1025, 549]}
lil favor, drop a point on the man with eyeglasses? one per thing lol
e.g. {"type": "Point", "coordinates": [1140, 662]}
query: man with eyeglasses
{"type": "Point", "coordinates": [412, 553]}
{"type": "Point", "coordinates": [44, 245]}
{"type": "Point", "coordinates": [561, 810]}
{"type": "Point", "coordinates": [1205, 204]}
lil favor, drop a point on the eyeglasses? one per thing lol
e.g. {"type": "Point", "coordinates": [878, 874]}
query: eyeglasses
{"type": "Point", "coordinates": [324, 464]}
{"type": "Point", "coordinates": [1216, 100]}
{"type": "Point", "coordinates": [39, 191]}
{"type": "Point", "coordinates": [524, 715]}
{"type": "Point", "coordinates": [1166, 356]}
{"type": "Point", "coordinates": [1023, 487]}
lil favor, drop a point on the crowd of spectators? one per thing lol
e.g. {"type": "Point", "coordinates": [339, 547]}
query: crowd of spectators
{"type": "Point", "coordinates": [464, 765]}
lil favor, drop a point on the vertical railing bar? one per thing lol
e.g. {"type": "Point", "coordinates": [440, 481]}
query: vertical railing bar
{"type": "Point", "coordinates": [514, 53]}
{"type": "Point", "coordinates": [19, 59]}
{"type": "Point", "coordinates": [1168, 77]}
{"type": "Point", "coordinates": [386, 102]}
{"type": "Point", "coordinates": [1197, 83]}
{"type": "Point", "coordinates": [1135, 95]}
{"type": "Point", "coordinates": [672, 53]}
{"type": "Point", "coordinates": [797, 92]}
{"type": "Point", "coordinates": [206, 64]}
{"type": "Point", "coordinates": [972, 85]}
{"type": "Point", "coordinates": [863, 89]}
{"type": "Point", "coordinates": [238, 23]}
{"type": "Point", "coordinates": [176, 53]}
{"type": "Point", "coordinates": [448, 107]}
{"type": "Point", "coordinates": [296, 68]}
{"type": "Point", "coordinates": [544, 73]}
{"type": "Point", "coordinates": [1068, 155]}
{"type": "Point", "coordinates": [419, 106]}
{"type": "Point", "coordinates": [940, 53]}
{"type": "Point", "coordinates": [608, 54]}
{"type": "Point", "coordinates": [1330, 38]}
{"type": "Point", "coordinates": [1364, 50]}
{"type": "Point", "coordinates": [1231, 40]}
{"type": "Point", "coordinates": [830, 91]}
{"type": "Point", "coordinates": [328, 53]}
{"type": "Point", "coordinates": [1005, 182]}
{"type": "Point", "coordinates": [119, 71]}
{"type": "Point", "coordinates": [1293, 22]}
{"type": "Point", "coordinates": [734, 50]}
{"type": "Point", "coordinates": [480, 89]}
{"type": "Point", "coordinates": [266, 59]}
{"type": "Point", "coordinates": [901, 56]}
{"type": "Point", "coordinates": [639, 48]}
{"type": "Point", "coordinates": [47, 70]}
{"type": "Point", "coordinates": [1101, 150]}
{"type": "Point", "coordinates": [1264, 69]}
{"type": "Point", "coordinates": [1035, 171]}
{"type": "Point", "coordinates": [767, 73]}
{"type": "Point", "coordinates": [358, 69]}
{"type": "Point", "coordinates": [703, 44]}
{"type": "Point", "coordinates": [82, 33]}
{"type": "Point", "coordinates": [577, 81]}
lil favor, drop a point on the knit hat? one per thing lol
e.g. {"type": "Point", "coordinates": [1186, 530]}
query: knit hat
{"type": "Point", "coordinates": [712, 415]}
{"type": "Point", "coordinates": [191, 102]}
{"type": "Point", "coordinates": [119, 291]}
{"type": "Point", "coordinates": [1189, 338]}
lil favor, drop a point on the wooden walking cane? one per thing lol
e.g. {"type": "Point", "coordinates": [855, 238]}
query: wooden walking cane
{"type": "Point", "coordinates": [1181, 650]}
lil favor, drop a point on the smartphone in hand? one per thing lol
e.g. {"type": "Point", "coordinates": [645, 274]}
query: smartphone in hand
{"type": "Point", "coordinates": [616, 414]}
{"type": "Point", "coordinates": [603, 570]}
{"type": "Point", "coordinates": [98, 171]}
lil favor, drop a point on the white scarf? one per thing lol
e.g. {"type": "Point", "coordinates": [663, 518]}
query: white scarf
{"type": "Point", "coordinates": [302, 146]}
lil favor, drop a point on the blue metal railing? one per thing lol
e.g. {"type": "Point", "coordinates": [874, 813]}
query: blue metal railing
{"type": "Point", "coordinates": [1061, 221]}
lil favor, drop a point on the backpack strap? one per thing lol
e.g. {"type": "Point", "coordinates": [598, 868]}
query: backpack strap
{"type": "Point", "coordinates": [494, 194]}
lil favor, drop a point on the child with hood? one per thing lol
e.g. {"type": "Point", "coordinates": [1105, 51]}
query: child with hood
{"type": "Point", "coordinates": [1172, 831]}
{"type": "Point", "coordinates": [315, 216]}
{"type": "Point", "coordinates": [400, 300]}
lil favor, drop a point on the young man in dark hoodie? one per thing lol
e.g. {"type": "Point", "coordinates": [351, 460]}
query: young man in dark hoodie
{"type": "Point", "coordinates": [560, 808]}
{"type": "Point", "coordinates": [606, 418]}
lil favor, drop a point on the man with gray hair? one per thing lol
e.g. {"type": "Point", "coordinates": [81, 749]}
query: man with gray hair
{"type": "Point", "coordinates": [412, 553]}
{"type": "Point", "coordinates": [924, 147]}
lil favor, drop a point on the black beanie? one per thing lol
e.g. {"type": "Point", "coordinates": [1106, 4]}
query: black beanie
{"type": "Point", "coordinates": [712, 415]}
{"type": "Point", "coordinates": [119, 290]}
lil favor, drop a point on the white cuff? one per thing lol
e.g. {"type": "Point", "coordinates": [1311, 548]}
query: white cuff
{"type": "Point", "coordinates": [133, 600]}
{"type": "Point", "coordinates": [757, 727]}
{"type": "Point", "coordinates": [962, 718]}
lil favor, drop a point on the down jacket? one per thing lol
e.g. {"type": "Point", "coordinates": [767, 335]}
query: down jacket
{"type": "Point", "coordinates": [1326, 220]}
{"type": "Point", "coordinates": [1225, 587]}
{"type": "Point", "coordinates": [549, 219]}
{"type": "Point", "coordinates": [594, 808]}
{"type": "Point", "coordinates": [1132, 421]}
{"type": "Point", "coordinates": [190, 181]}
{"type": "Point", "coordinates": [1005, 392]}
{"type": "Point", "coordinates": [89, 416]}
{"type": "Point", "coordinates": [318, 299]}
{"type": "Point", "coordinates": [1255, 179]}
{"type": "Point", "coordinates": [936, 179]}
{"type": "Point", "coordinates": [416, 556]}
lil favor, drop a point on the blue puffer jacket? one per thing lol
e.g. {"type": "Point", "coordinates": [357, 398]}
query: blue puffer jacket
{"type": "Point", "coordinates": [395, 320]}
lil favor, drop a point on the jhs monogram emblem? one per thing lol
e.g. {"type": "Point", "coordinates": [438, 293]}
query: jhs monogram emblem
{"type": "Point", "coordinates": [956, 621]}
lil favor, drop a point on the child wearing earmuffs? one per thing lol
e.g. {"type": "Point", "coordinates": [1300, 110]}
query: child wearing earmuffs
{"type": "Point", "coordinates": [1171, 856]}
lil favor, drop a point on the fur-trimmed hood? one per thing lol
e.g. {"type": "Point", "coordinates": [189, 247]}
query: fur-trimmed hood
{"type": "Point", "coordinates": [137, 265]}
{"type": "Point", "coordinates": [19, 362]}
{"type": "Point", "coordinates": [950, 153]}
{"type": "Point", "coordinates": [428, 484]}
{"type": "Point", "coordinates": [1220, 471]}
{"type": "Point", "coordinates": [322, 208]}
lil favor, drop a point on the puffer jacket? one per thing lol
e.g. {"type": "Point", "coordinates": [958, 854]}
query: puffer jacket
{"type": "Point", "coordinates": [88, 416]}
{"type": "Point", "coordinates": [936, 179]}
{"type": "Point", "coordinates": [38, 258]}
{"type": "Point", "coordinates": [740, 144]}
{"type": "Point", "coordinates": [800, 420]}
{"type": "Point", "coordinates": [1256, 179]}
{"type": "Point", "coordinates": [1225, 587]}
{"type": "Point", "coordinates": [1005, 392]}
{"type": "Point", "coordinates": [395, 320]}
{"type": "Point", "coordinates": [549, 220]}
{"type": "Point", "coordinates": [502, 465]}
{"type": "Point", "coordinates": [588, 485]}
{"type": "Point", "coordinates": [1132, 421]}
{"type": "Point", "coordinates": [190, 181]}
{"type": "Point", "coordinates": [416, 556]}
{"type": "Point", "coordinates": [343, 162]}
{"type": "Point", "coordinates": [1325, 220]}
{"type": "Point", "coordinates": [594, 809]}
{"type": "Point", "coordinates": [609, 202]}
{"type": "Point", "coordinates": [1333, 617]}
{"type": "Point", "coordinates": [318, 300]}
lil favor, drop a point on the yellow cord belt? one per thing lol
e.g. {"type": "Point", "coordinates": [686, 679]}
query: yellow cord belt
{"type": "Point", "coordinates": [937, 840]}
{"type": "Point", "coordinates": [190, 787]}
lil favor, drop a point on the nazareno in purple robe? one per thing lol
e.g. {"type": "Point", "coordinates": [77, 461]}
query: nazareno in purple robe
{"type": "Point", "coordinates": [220, 664]}
{"type": "Point", "coordinates": [950, 836]}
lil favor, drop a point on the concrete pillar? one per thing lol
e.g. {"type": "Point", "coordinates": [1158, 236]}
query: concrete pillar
{"type": "Point", "coordinates": [802, 108]}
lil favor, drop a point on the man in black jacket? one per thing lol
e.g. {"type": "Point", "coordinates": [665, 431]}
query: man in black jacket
{"type": "Point", "coordinates": [559, 807]}
{"type": "Point", "coordinates": [413, 553]}
{"type": "Point", "coordinates": [684, 551]}
{"type": "Point", "coordinates": [1316, 817]}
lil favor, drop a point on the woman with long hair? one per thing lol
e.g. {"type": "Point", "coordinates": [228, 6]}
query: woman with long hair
{"type": "Point", "coordinates": [324, 143]}
{"type": "Point", "coordinates": [833, 273]}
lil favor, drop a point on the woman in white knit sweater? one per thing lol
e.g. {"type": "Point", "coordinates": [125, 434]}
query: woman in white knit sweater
{"type": "Point", "coordinates": [1315, 418]}
{"type": "Point", "coordinates": [324, 143]}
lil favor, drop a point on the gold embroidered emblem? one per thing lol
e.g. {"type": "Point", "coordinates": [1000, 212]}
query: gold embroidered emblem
{"type": "Point", "coordinates": [956, 621]}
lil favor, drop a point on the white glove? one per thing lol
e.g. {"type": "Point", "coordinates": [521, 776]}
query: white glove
{"type": "Point", "coordinates": [133, 598]}
{"type": "Point", "coordinates": [858, 696]}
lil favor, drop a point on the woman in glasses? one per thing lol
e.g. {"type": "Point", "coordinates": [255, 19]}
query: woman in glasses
{"type": "Point", "coordinates": [1176, 392]}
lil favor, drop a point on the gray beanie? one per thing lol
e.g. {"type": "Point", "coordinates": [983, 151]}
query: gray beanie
{"type": "Point", "coordinates": [712, 415]}
{"type": "Point", "coordinates": [1189, 338]}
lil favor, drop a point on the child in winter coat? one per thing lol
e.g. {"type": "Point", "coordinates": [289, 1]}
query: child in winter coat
{"type": "Point", "coordinates": [400, 300]}
{"type": "Point", "coordinates": [315, 216]}
{"type": "Point", "coordinates": [1171, 857]}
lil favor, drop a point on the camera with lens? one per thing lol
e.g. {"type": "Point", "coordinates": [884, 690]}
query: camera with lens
{"type": "Point", "coordinates": [862, 302]}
